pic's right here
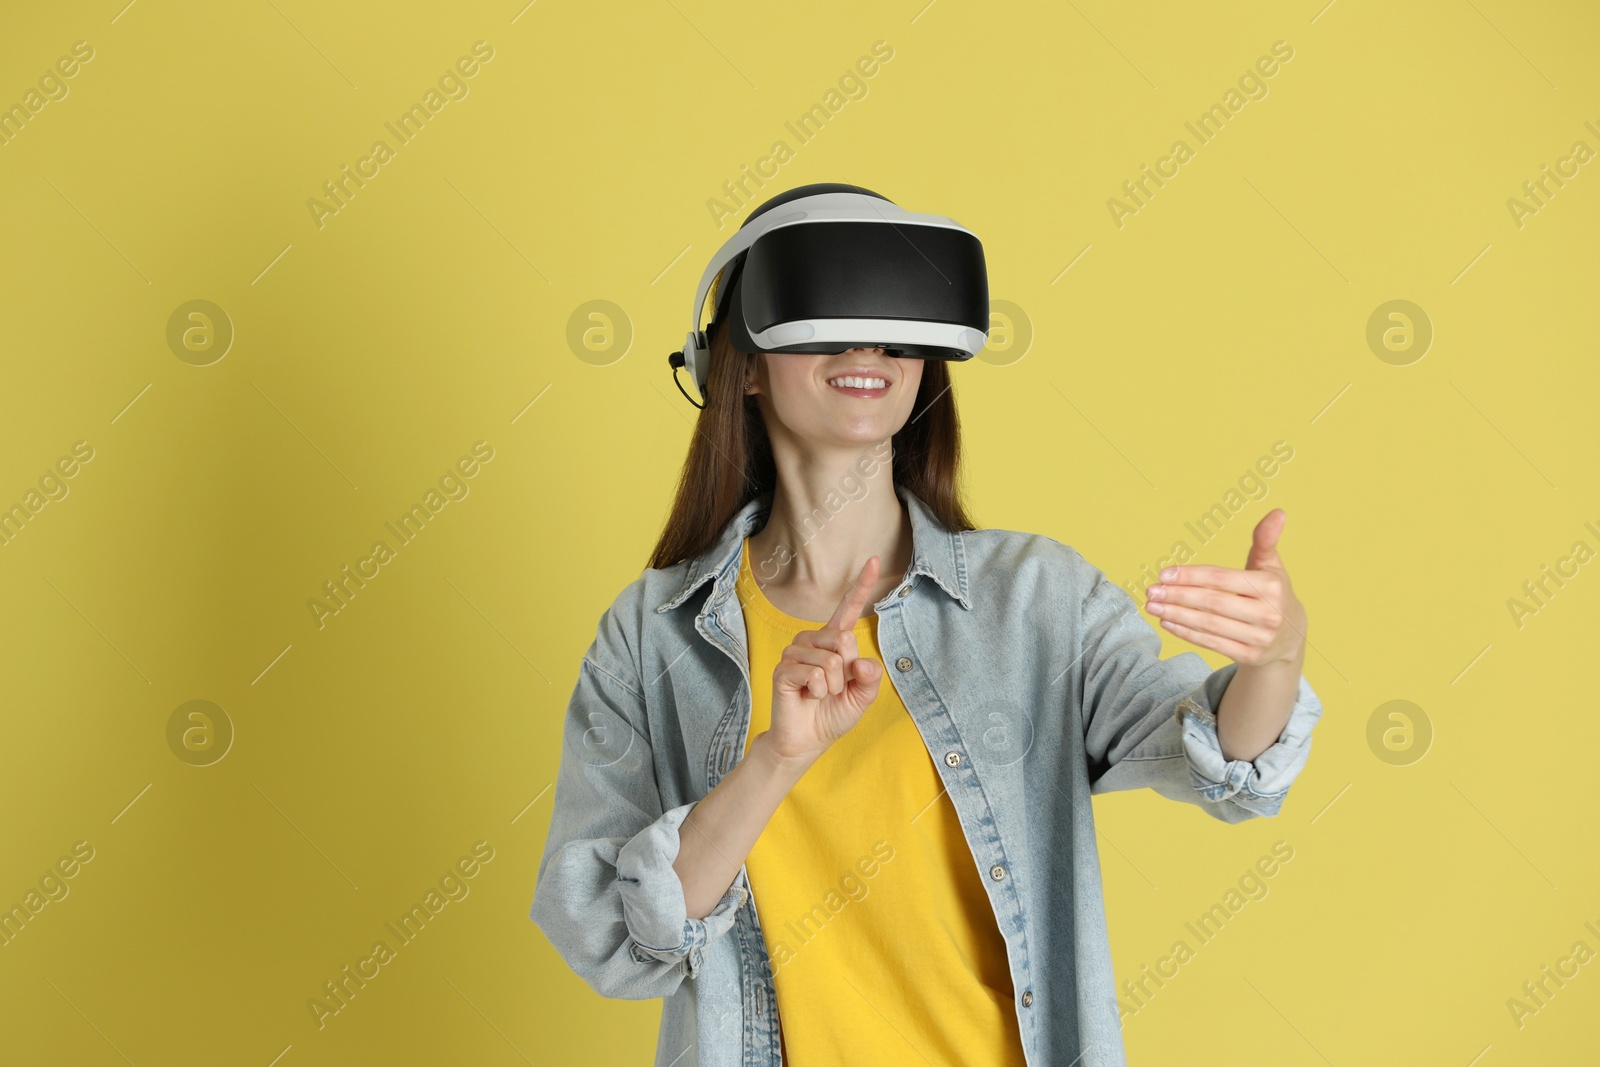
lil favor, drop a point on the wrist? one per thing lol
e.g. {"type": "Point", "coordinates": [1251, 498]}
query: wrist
{"type": "Point", "coordinates": [1294, 661]}
{"type": "Point", "coordinates": [1289, 662]}
{"type": "Point", "coordinates": [787, 768]}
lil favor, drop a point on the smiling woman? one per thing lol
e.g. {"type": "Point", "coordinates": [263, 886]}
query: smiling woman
{"type": "Point", "coordinates": [902, 676]}
{"type": "Point", "coordinates": [924, 451]}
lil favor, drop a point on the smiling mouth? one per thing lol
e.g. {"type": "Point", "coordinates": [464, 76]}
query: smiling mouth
{"type": "Point", "coordinates": [863, 386]}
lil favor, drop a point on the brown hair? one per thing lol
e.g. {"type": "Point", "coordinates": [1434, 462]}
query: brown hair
{"type": "Point", "coordinates": [730, 456]}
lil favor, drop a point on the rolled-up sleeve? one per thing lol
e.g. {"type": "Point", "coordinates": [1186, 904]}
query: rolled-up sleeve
{"type": "Point", "coordinates": [652, 897]}
{"type": "Point", "coordinates": [1259, 785]}
{"type": "Point", "coordinates": [1151, 722]}
{"type": "Point", "coordinates": [607, 895]}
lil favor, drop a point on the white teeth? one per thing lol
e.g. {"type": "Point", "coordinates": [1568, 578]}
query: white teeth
{"type": "Point", "coordinates": [859, 383]}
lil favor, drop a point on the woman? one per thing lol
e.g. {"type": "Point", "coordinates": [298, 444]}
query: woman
{"type": "Point", "coordinates": [814, 867]}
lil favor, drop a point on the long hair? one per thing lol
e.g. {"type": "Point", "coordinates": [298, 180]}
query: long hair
{"type": "Point", "coordinates": [730, 456]}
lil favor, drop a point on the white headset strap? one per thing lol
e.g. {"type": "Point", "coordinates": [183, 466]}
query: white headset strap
{"type": "Point", "coordinates": [823, 207]}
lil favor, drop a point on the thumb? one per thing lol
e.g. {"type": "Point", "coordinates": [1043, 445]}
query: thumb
{"type": "Point", "coordinates": [1264, 541]}
{"type": "Point", "coordinates": [868, 675]}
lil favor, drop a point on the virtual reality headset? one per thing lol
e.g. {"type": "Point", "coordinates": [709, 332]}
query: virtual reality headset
{"type": "Point", "coordinates": [830, 267]}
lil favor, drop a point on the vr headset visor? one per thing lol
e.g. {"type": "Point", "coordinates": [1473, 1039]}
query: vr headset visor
{"type": "Point", "coordinates": [831, 271]}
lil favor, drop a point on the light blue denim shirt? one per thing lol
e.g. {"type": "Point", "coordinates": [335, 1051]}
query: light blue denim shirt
{"type": "Point", "coordinates": [1034, 682]}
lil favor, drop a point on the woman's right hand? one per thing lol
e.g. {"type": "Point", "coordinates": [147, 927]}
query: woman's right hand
{"type": "Point", "coordinates": [821, 688]}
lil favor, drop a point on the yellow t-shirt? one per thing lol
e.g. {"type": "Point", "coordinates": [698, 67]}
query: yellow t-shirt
{"type": "Point", "coordinates": [883, 943]}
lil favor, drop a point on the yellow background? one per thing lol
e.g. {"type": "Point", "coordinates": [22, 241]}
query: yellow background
{"type": "Point", "coordinates": [433, 309]}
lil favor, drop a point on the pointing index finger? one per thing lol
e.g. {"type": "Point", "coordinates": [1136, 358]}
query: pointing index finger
{"type": "Point", "coordinates": [848, 613]}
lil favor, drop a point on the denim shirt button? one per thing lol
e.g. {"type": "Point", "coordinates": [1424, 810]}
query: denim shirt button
{"type": "Point", "coordinates": [997, 872]}
{"type": "Point", "coordinates": [903, 664]}
{"type": "Point", "coordinates": [952, 759]}
{"type": "Point", "coordinates": [1027, 999]}
{"type": "Point", "coordinates": [904, 589]}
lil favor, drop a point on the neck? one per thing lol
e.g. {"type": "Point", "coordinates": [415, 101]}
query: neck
{"type": "Point", "coordinates": [828, 518]}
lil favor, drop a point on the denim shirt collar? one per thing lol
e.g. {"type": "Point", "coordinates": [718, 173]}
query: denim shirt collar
{"type": "Point", "coordinates": [937, 551]}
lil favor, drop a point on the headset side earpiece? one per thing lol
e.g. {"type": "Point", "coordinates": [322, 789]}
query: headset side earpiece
{"type": "Point", "coordinates": [695, 357]}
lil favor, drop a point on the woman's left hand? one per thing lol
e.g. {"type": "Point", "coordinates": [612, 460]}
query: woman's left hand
{"type": "Point", "coordinates": [1250, 615]}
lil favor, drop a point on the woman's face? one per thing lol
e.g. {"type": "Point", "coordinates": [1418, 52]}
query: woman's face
{"type": "Point", "coordinates": [801, 405]}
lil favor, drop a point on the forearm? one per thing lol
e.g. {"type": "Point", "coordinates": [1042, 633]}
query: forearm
{"type": "Point", "coordinates": [719, 833]}
{"type": "Point", "coordinates": [1256, 705]}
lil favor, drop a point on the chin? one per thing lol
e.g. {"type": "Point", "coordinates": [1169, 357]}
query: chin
{"type": "Point", "coordinates": [862, 433]}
